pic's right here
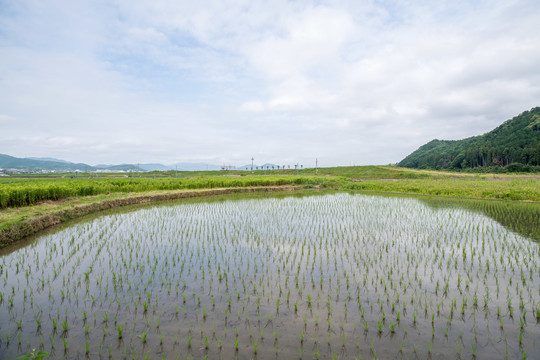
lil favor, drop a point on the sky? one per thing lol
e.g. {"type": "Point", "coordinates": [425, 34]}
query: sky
{"type": "Point", "coordinates": [285, 82]}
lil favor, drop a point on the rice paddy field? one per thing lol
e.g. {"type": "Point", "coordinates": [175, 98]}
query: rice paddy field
{"type": "Point", "coordinates": [329, 275]}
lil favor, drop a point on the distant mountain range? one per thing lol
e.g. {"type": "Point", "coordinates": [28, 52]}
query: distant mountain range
{"type": "Point", "coordinates": [161, 167]}
{"type": "Point", "coordinates": [514, 144]}
{"type": "Point", "coordinates": [48, 159]}
{"type": "Point", "coordinates": [51, 164]}
{"type": "Point", "coordinates": [38, 164]}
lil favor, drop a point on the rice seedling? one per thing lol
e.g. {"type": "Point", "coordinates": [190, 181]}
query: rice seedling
{"type": "Point", "coordinates": [143, 336]}
{"type": "Point", "coordinates": [360, 262]}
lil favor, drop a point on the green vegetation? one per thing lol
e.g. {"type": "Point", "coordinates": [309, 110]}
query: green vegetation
{"type": "Point", "coordinates": [24, 191]}
{"type": "Point", "coordinates": [331, 275]}
{"type": "Point", "coordinates": [357, 172]}
{"type": "Point", "coordinates": [469, 187]}
{"type": "Point", "coordinates": [512, 147]}
{"type": "Point", "coordinates": [30, 192]}
{"type": "Point", "coordinates": [520, 217]}
{"type": "Point", "coordinates": [34, 356]}
{"type": "Point", "coordinates": [25, 200]}
{"type": "Point", "coordinates": [29, 164]}
{"type": "Point", "coordinates": [18, 191]}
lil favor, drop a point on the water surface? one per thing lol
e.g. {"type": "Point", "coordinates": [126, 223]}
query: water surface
{"type": "Point", "coordinates": [289, 276]}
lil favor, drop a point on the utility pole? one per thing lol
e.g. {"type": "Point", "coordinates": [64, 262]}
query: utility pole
{"type": "Point", "coordinates": [252, 165]}
{"type": "Point", "coordinates": [176, 172]}
{"type": "Point", "coordinates": [316, 163]}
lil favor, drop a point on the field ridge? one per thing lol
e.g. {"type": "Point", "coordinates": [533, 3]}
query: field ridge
{"type": "Point", "coordinates": [34, 224]}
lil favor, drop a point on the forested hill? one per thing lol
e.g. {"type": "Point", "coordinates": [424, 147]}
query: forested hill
{"type": "Point", "coordinates": [514, 145]}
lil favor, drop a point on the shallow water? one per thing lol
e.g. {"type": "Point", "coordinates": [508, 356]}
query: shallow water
{"type": "Point", "coordinates": [292, 276]}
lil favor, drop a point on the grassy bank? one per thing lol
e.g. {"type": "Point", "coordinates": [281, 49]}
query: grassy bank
{"type": "Point", "coordinates": [20, 222]}
{"type": "Point", "coordinates": [27, 191]}
{"type": "Point", "coordinates": [23, 199]}
{"type": "Point", "coordinates": [522, 190]}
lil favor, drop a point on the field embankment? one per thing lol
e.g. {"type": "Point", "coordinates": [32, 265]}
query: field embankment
{"type": "Point", "coordinates": [22, 222]}
{"type": "Point", "coordinates": [28, 205]}
{"type": "Point", "coordinates": [15, 192]}
{"type": "Point", "coordinates": [477, 188]}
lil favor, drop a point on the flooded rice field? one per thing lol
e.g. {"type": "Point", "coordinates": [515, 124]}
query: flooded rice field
{"type": "Point", "coordinates": [330, 276]}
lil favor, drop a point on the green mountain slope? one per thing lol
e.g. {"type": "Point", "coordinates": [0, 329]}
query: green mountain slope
{"type": "Point", "coordinates": [10, 162]}
{"type": "Point", "coordinates": [514, 144]}
{"type": "Point", "coordinates": [38, 164]}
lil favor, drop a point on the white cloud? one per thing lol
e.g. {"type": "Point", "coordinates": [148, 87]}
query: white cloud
{"type": "Point", "coordinates": [147, 35]}
{"type": "Point", "coordinates": [347, 81]}
{"type": "Point", "coordinates": [312, 38]}
{"type": "Point", "coordinates": [252, 106]}
{"type": "Point", "coordinates": [6, 118]}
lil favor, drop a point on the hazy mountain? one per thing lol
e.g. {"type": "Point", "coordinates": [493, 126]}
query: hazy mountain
{"type": "Point", "coordinates": [516, 143]}
{"type": "Point", "coordinates": [122, 167]}
{"type": "Point", "coordinates": [161, 167]}
{"type": "Point", "coordinates": [125, 167]}
{"type": "Point", "coordinates": [154, 167]}
{"type": "Point", "coordinates": [43, 163]}
{"type": "Point", "coordinates": [27, 164]}
{"type": "Point", "coordinates": [49, 159]}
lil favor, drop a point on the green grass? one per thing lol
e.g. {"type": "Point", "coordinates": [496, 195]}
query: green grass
{"type": "Point", "coordinates": [480, 188]}
{"type": "Point", "coordinates": [27, 197]}
{"type": "Point", "coordinates": [359, 172]}
{"type": "Point", "coordinates": [30, 192]}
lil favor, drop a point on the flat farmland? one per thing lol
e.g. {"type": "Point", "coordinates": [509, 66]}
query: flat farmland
{"type": "Point", "coordinates": [310, 275]}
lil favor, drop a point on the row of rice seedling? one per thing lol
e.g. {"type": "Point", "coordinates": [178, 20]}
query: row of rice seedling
{"type": "Point", "coordinates": [325, 276]}
{"type": "Point", "coordinates": [521, 217]}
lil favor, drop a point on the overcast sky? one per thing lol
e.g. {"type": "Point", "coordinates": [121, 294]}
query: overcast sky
{"type": "Point", "coordinates": [347, 82]}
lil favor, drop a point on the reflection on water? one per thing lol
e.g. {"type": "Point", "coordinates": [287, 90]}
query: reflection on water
{"type": "Point", "coordinates": [302, 275]}
{"type": "Point", "coordinates": [523, 218]}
